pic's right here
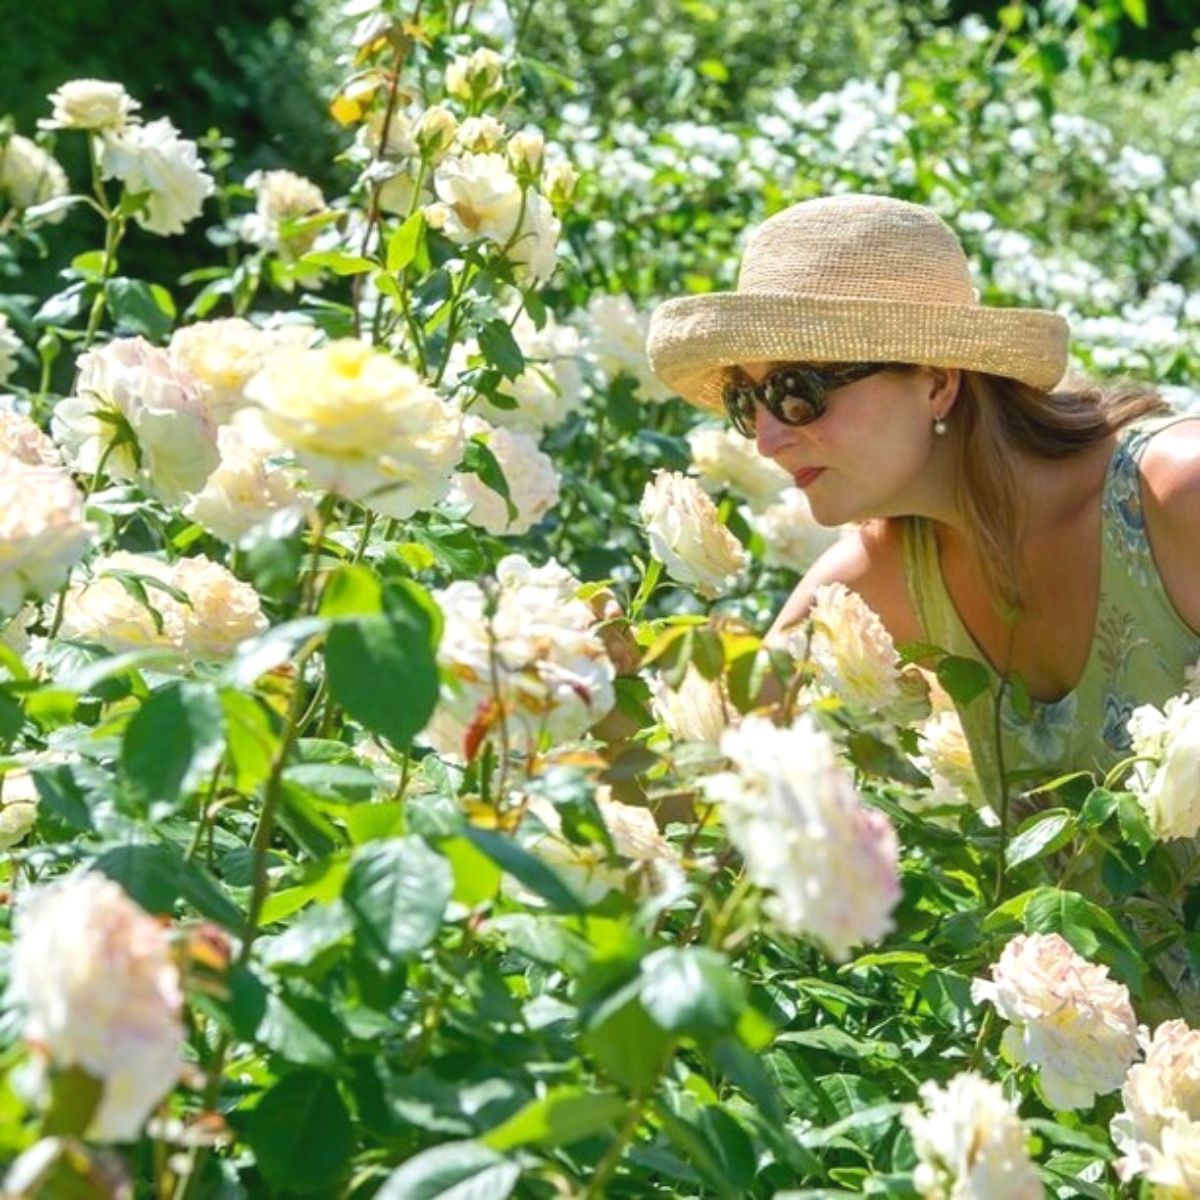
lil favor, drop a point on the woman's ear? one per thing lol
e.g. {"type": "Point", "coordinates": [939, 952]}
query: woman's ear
{"type": "Point", "coordinates": [944, 383]}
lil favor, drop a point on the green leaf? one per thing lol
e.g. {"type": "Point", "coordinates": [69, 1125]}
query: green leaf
{"type": "Point", "coordinates": [383, 670]}
{"type": "Point", "coordinates": [1134, 824]}
{"type": "Point", "coordinates": [251, 738]}
{"type": "Point", "coordinates": [526, 869]}
{"type": "Point", "coordinates": [1090, 929]}
{"type": "Point", "coordinates": [397, 892]}
{"type": "Point", "coordinates": [173, 743]}
{"type": "Point", "coordinates": [563, 1115]}
{"type": "Point", "coordinates": [143, 308]}
{"type": "Point", "coordinates": [453, 1171]}
{"type": "Point", "coordinates": [692, 990]}
{"type": "Point", "coordinates": [1042, 833]}
{"type": "Point", "coordinates": [963, 678]}
{"type": "Point", "coordinates": [627, 1045]}
{"type": "Point", "coordinates": [478, 459]}
{"type": "Point", "coordinates": [156, 875]}
{"type": "Point", "coordinates": [402, 245]}
{"type": "Point", "coordinates": [1135, 10]}
{"type": "Point", "coordinates": [338, 262]}
{"type": "Point", "coordinates": [500, 348]}
{"type": "Point", "coordinates": [1097, 808]}
{"type": "Point", "coordinates": [351, 591]}
{"type": "Point", "coordinates": [75, 1096]}
{"type": "Point", "coordinates": [301, 1134]}
{"type": "Point", "coordinates": [476, 877]}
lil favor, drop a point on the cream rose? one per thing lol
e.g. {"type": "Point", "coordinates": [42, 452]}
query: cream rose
{"type": "Point", "coordinates": [91, 104]}
{"type": "Point", "coordinates": [29, 176]}
{"type": "Point", "coordinates": [475, 76]}
{"type": "Point", "coordinates": [222, 356]}
{"type": "Point", "coordinates": [18, 807]}
{"type": "Point", "coordinates": [10, 348]}
{"type": "Point", "coordinates": [615, 343]}
{"type": "Point", "coordinates": [140, 386]}
{"type": "Point", "coordinates": [481, 135]}
{"type": "Point", "coordinates": [1070, 1021]}
{"type": "Point", "coordinates": [530, 475]}
{"type": "Point", "coordinates": [248, 485]}
{"type": "Point", "coordinates": [724, 459]}
{"type": "Point", "coordinates": [20, 438]}
{"type": "Point", "coordinates": [829, 862]}
{"type": "Point", "coordinates": [221, 612]}
{"type": "Point", "coordinates": [687, 537]}
{"type": "Point", "coordinates": [553, 676]}
{"type": "Point", "coordinates": [791, 538]}
{"type": "Point", "coordinates": [154, 159]}
{"type": "Point", "coordinates": [1158, 1133]}
{"type": "Point", "coordinates": [96, 980]}
{"type": "Point", "coordinates": [970, 1143]}
{"type": "Point", "coordinates": [696, 711]}
{"type": "Point", "coordinates": [361, 424]}
{"type": "Point", "coordinates": [281, 197]}
{"type": "Point", "coordinates": [42, 531]}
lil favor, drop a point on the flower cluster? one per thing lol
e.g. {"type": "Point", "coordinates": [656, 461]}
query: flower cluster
{"type": "Point", "coordinates": [1070, 1021]}
{"type": "Point", "coordinates": [1158, 1132]}
{"type": "Point", "coordinates": [686, 535]}
{"type": "Point", "coordinates": [970, 1143]}
{"type": "Point", "coordinates": [521, 651]}
{"type": "Point", "coordinates": [829, 862]}
{"type": "Point", "coordinates": [100, 991]}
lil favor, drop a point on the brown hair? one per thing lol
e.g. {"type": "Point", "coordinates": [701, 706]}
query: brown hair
{"type": "Point", "coordinates": [995, 420]}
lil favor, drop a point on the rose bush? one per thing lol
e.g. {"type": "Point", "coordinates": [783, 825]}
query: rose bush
{"type": "Point", "coordinates": [400, 795]}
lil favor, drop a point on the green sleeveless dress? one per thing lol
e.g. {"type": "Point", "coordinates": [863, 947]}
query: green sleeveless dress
{"type": "Point", "coordinates": [1140, 646]}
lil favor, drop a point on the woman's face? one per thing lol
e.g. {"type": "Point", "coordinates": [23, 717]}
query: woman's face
{"type": "Point", "coordinates": [869, 454]}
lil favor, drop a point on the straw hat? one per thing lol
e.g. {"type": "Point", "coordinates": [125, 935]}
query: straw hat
{"type": "Point", "coordinates": [855, 278]}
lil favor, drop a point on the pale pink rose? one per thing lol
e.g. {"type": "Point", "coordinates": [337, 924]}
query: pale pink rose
{"type": "Point", "coordinates": [829, 862]}
{"type": "Point", "coordinates": [1158, 1132]}
{"type": "Point", "coordinates": [1070, 1021]}
{"type": "Point", "coordinates": [96, 980]}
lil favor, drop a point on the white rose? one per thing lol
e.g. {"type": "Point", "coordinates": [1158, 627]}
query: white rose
{"type": "Point", "coordinates": [42, 531]}
{"type": "Point", "coordinates": [10, 348]}
{"type": "Point", "coordinates": [247, 486]}
{"type": "Point", "coordinates": [18, 807]}
{"type": "Point", "coordinates": [530, 474]}
{"type": "Point", "coordinates": [160, 403]}
{"type": "Point", "coordinates": [696, 711]}
{"type": "Point", "coordinates": [222, 610]}
{"type": "Point", "coordinates": [553, 675]}
{"type": "Point", "coordinates": [221, 356]}
{"type": "Point", "coordinates": [1170, 791]}
{"type": "Point", "coordinates": [686, 535]}
{"type": "Point", "coordinates": [791, 537]}
{"type": "Point", "coordinates": [281, 197]}
{"type": "Point", "coordinates": [526, 149]}
{"type": "Point", "coordinates": [91, 104]}
{"type": "Point", "coordinates": [361, 424]}
{"type": "Point", "coordinates": [480, 198]}
{"type": "Point", "coordinates": [534, 251]}
{"type": "Point", "coordinates": [945, 756]}
{"type": "Point", "coordinates": [1158, 1133]}
{"type": "Point", "coordinates": [100, 990]}
{"type": "Point", "coordinates": [970, 1143]}
{"type": "Point", "coordinates": [155, 159]}
{"type": "Point", "coordinates": [475, 76]}
{"type": "Point", "coordinates": [722, 458]}
{"type": "Point", "coordinates": [481, 135]}
{"type": "Point", "coordinates": [829, 862]}
{"type": "Point", "coordinates": [559, 183]}
{"type": "Point", "coordinates": [29, 176]}
{"type": "Point", "coordinates": [1070, 1021]}
{"type": "Point", "coordinates": [615, 342]}
{"type": "Point", "coordinates": [549, 388]}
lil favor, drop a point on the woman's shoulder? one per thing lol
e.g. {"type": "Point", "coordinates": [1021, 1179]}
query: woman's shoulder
{"type": "Point", "coordinates": [1170, 470]}
{"type": "Point", "coordinates": [868, 559]}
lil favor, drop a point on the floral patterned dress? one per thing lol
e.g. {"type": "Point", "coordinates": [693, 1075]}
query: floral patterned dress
{"type": "Point", "coordinates": [1140, 650]}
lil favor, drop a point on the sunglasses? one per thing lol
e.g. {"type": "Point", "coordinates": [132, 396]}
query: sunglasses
{"type": "Point", "coordinates": [794, 395]}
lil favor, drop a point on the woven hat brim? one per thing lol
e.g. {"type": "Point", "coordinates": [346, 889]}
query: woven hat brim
{"type": "Point", "coordinates": [693, 338]}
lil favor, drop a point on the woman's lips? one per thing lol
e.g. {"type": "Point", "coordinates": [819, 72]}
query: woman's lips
{"type": "Point", "coordinates": [805, 477]}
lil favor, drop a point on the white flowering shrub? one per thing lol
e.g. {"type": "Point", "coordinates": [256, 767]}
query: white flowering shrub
{"type": "Point", "coordinates": [400, 792]}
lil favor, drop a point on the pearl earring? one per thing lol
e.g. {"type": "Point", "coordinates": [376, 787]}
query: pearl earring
{"type": "Point", "coordinates": [939, 426]}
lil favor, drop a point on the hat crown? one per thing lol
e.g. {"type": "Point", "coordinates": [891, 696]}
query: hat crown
{"type": "Point", "coordinates": [858, 247]}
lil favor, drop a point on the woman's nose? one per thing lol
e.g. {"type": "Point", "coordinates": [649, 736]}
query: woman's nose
{"type": "Point", "coordinates": [770, 433]}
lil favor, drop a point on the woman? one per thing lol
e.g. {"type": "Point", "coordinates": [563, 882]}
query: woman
{"type": "Point", "coordinates": [1051, 532]}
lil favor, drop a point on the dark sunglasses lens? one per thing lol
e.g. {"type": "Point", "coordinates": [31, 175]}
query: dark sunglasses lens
{"type": "Point", "coordinates": [800, 409]}
{"type": "Point", "coordinates": [739, 407]}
